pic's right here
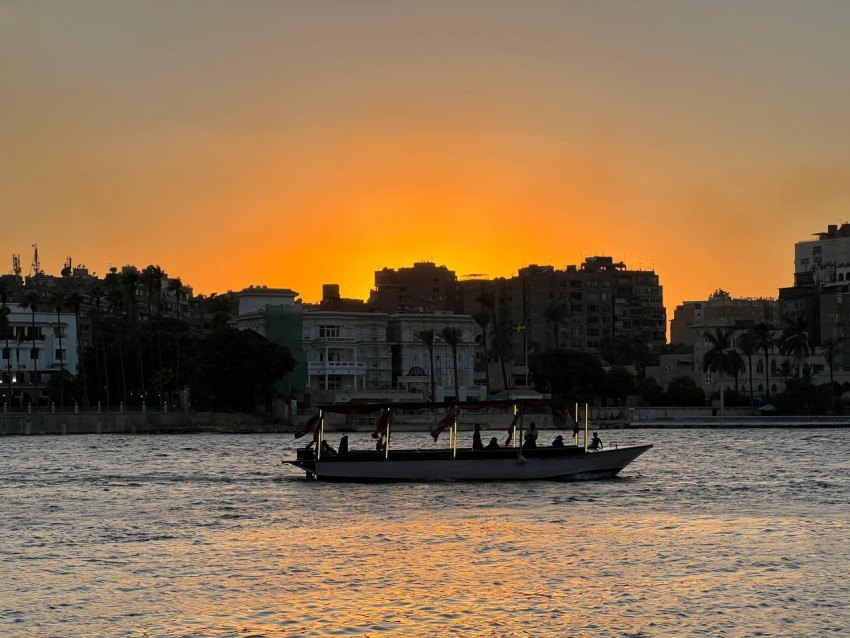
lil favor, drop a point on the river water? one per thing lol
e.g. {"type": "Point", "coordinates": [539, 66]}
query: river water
{"type": "Point", "coordinates": [710, 533]}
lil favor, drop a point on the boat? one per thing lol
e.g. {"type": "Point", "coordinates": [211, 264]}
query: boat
{"type": "Point", "coordinates": [453, 463]}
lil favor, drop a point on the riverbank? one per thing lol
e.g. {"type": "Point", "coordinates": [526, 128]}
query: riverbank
{"type": "Point", "coordinates": [137, 423]}
{"type": "Point", "coordinates": [237, 423]}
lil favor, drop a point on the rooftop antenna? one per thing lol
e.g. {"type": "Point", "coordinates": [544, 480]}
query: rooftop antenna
{"type": "Point", "coordinates": [36, 264]}
{"type": "Point", "coordinates": [16, 265]}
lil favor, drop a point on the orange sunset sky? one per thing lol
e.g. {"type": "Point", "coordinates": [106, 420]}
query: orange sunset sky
{"type": "Point", "coordinates": [298, 143]}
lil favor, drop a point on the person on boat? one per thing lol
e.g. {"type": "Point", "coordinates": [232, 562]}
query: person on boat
{"type": "Point", "coordinates": [530, 436]}
{"type": "Point", "coordinates": [493, 444]}
{"type": "Point", "coordinates": [595, 442]}
{"type": "Point", "coordinates": [476, 438]}
{"type": "Point", "coordinates": [343, 446]}
{"type": "Point", "coordinates": [558, 442]}
{"type": "Point", "coordinates": [327, 450]}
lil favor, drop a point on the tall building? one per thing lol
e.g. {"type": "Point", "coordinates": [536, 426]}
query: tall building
{"type": "Point", "coordinates": [821, 291]}
{"type": "Point", "coordinates": [720, 310]}
{"type": "Point", "coordinates": [583, 306]}
{"type": "Point", "coordinates": [425, 287]}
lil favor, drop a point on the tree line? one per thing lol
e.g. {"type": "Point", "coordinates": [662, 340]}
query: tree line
{"type": "Point", "coordinates": [158, 361]}
{"type": "Point", "coordinates": [580, 377]}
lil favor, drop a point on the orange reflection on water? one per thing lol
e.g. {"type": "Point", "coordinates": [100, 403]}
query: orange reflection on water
{"type": "Point", "coordinates": [418, 575]}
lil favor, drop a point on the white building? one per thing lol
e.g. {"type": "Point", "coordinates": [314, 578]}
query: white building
{"type": "Point", "coordinates": [412, 362]}
{"type": "Point", "coordinates": [346, 352]}
{"type": "Point", "coordinates": [30, 355]}
{"type": "Point", "coordinates": [251, 314]}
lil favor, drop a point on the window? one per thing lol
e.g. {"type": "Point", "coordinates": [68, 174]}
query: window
{"type": "Point", "coordinates": [60, 354]}
{"type": "Point", "coordinates": [333, 382]}
{"type": "Point", "coordinates": [33, 353]}
{"type": "Point", "coordinates": [7, 353]}
{"type": "Point", "coordinates": [328, 332]}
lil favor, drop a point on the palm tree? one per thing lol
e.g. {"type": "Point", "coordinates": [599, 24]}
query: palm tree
{"type": "Point", "coordinates": [4, 324]}
{"type": "Point", "coordinates": [721, 358]}
{"type": "Point", "coordinates": [555, 314]}
{"type": "Point", "coordinates": [764, 336]}
{"type": "Point", "coordinates": [786, 369]}
{"type": "Point", "coordinates": [32, 301]}
{"type": "Point", "coordinates": [501, 339]}
{"type": "Point", "coordinates": [75, 302]}
{"type": "Point", "coordinates": [151, 278]}
{"type": "Point", "coordinates": [453, 336]}
{"type": "Point", "coordinates": [427, 337]}
{"type": "Point", "coordinates": [830, 349]}
{"type": "Point", "coordinates": [57, 301]}
{"type": "Point", "coordinates": [176, 285]}
{"type": "Point", "coordinates": [483, 318]}
{"type": "Point", "coordinates": [748, 342]}
{"type": "Point", "coordinates": [116, 292]}
{"type": "Point", "coordinates": [795, 340]}
{"type": "Point", "coordinates": [4, 330]}
{"type": "Point", "coordinates": [130, 277]}
{"type": "Point", "coordinates": [97, 294]}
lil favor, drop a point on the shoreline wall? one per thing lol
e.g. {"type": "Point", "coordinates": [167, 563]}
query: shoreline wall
{"type": "Point", "coordinates": [136, 423]}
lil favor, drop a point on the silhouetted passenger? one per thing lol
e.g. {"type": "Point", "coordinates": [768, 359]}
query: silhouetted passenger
{"type": "Point", "coordinates": [476, 438]}
{"type": "Point", "coordinates": [327, 450]}
{"type": "Point", "coordinates": [530, 437]}
{"type": "Point", "coordinates": [343, 445]}
{"type": "Point", "coordinates": [558, 442]}
{"type": "Point", "coordinates": [595, 442]}
{"type": "Point", "coordinates": [493, 444]}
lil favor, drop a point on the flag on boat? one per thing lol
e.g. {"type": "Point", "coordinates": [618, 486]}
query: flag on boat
{"type": "Point", "coordinates": [447, 421]}
{"type": "Point", "coordinates": [382, 423]}
{"type": "Point", "coordinates": [512, 428]}
{"type": "Point", "coordinates": [312, 425]}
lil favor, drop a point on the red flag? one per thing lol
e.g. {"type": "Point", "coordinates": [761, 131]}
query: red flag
{"type": "Point", "coordinates": [511, 428]}
{"type": "Point", "coordinates": [382, 423]}
{"type": "Point", "coordinates": [312, 425]}
{"type": "Point", "coordinates": [446, 421]}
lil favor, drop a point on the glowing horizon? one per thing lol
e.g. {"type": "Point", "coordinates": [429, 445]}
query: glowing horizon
{"type": "Point", "coordinates": [238, 144]}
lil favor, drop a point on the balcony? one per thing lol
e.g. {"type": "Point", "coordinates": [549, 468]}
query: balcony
{"type": "Point", "coordinates": [336, 367]}
{"type": "Point", "coordinates": [337, 340]}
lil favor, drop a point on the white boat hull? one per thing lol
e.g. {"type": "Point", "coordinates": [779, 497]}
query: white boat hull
{"type": "Point", "coordinates": [569, 463]}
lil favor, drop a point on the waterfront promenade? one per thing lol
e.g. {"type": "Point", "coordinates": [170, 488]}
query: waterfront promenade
{"type": "Point", "coordinates": [157, 422]}
{"type": "Point", "coordinates": [134, 422]}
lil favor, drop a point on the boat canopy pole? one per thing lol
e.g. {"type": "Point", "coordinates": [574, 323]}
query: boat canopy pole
{"type": "Point", "coordinates": [586, 419]}
{"type": "Point", "coordinates": [321, 436]}
{"type": "Point", "coordinates": [575, 429]}
{"type": "Point", "coordinates": [454, 436]}
{"type": "Point", "coordinates": [387, 442]}
{"type": "Point", "coordinates": [519, 440]}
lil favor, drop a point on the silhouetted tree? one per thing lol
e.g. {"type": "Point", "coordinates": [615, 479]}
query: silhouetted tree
{"type": "Point", "coordinates": [33, 301]}
{"type": "Point", "coordinates": [721, 358]}
{"type": "Point", "coordinates": [453, 336]}
{"type": "Point", "coordinates": [427, 337]}
{"type": "Point", "coordinates": [683, 391]}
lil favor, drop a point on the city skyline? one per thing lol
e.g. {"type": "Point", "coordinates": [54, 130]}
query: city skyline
{"type": "Point", "coordinates": [293, 145]}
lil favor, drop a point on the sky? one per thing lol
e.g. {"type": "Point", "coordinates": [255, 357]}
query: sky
{"type": "Point", "coordinates": [292, 144]}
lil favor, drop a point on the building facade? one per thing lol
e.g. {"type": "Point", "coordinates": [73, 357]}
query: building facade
{"type": "Point", "coordinates": [720, 310]}
{"type": "Point", "coordinates": [425, 287]}
{"type": "Point", "coordinates": [35, 346]}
